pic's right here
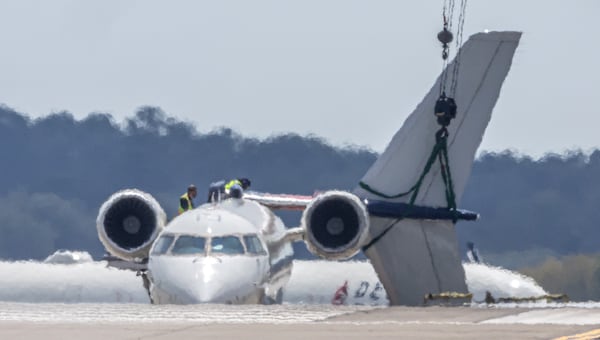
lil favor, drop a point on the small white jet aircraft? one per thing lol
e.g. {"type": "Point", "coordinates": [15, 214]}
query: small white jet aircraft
{"type": "Point", "coordinates": [402, 214]}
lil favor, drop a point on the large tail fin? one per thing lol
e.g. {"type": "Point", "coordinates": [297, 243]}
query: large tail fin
{"type": "Point", "coordinates": [418, 257]}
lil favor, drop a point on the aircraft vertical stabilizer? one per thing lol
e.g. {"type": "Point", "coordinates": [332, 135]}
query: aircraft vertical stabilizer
{"type": "Point", "coordinates": [418, 257]}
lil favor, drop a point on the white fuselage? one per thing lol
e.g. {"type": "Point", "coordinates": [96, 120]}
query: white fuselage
{"type": "Point", "coordinates": [230, 252]}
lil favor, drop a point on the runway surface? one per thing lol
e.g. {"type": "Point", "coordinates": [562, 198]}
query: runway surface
{"type": "Point", "coordinates": [131, 321]}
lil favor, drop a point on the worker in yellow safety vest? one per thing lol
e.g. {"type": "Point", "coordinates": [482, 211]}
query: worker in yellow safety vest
{"type": "Point", "coordinates": [222, 189]}
{"type": "Point", "coordinates": [186, 200]}
{"type": "Point", "coordinates": [244, 183]}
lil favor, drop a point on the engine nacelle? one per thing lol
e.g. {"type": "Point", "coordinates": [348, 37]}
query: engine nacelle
{"type": "Point", "coordinates": [129, 222]}
{"type": "Point", "coordinates": [336, 225]}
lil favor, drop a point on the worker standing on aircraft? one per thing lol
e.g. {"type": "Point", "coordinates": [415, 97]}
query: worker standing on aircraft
{"type": "Point", "coordinates": [222, 189]}
{"type": "Point", "coordinates": [242, 182]}
{"type": "Point", "coordinates": [186, 200]}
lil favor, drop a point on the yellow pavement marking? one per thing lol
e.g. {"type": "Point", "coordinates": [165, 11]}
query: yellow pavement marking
{"type": "Point", "coordinates": [591, 335]}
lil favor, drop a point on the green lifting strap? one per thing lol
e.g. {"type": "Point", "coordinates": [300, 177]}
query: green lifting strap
{"type": "Point", "coordinates": [440, 152]}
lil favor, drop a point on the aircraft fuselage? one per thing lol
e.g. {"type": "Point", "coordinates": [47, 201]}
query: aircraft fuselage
{"type": "Point", "coordinates": [233, 251]}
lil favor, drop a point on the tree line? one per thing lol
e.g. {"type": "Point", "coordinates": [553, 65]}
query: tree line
{"type": "Point", "coordinates": [57, 170]}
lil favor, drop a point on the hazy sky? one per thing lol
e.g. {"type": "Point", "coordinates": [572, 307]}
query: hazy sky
{"type": "Point", "coordinates": [350, 71]}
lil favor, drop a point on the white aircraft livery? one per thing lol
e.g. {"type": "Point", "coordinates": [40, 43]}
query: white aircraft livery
{"type": "Point", "coordinates": [402, 214]}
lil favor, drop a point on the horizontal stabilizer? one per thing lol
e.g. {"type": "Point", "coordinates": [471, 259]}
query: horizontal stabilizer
{"type": "Point", "coordinates": [405, 210]}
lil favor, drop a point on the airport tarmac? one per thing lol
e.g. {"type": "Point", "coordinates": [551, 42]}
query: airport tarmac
{"type": "Point", "coordinates": [297, 323]}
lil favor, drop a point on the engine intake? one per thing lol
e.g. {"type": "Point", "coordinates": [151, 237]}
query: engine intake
{"type": "Point", "coordinates": [129, 222]}
{"type": "Point", "coordinates": [336, 225]}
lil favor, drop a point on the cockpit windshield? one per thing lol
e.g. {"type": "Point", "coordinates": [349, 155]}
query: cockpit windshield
{"type": "Point", "coordinates": [230, 245]}
{"type": "Point", "coordinates": [170, 244]}
{"type": "Point", "coordinates": [189, 245]}
{"type": "Point", "coordinates": [253, 245]}
{"type": "Point", "coordinates": [162, 245]}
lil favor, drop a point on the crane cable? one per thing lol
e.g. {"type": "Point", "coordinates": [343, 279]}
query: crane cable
{"type": "Point", "coordinates": [459, 41]}
{"type": "Point", "coordinates": [445, 111]}
{"type": "Point", "coordinates": [446, 37]}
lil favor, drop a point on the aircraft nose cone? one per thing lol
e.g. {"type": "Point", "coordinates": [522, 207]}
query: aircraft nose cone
{"type": "Point", "coordinates": [207, 285]}
{"type": "Point", "coordinates": [208, 292]}
{"type": "Point", "coordinates": [211, 283]}
{"type": "Point", "coordinates": [203, 280]}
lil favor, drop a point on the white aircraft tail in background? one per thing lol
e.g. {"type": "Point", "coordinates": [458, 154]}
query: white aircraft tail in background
{"type": "Point", "coordinates": [419, 256]}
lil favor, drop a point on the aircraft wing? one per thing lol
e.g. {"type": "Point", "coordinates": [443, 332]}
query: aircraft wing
{"type": "Point", "coordinates": [279, 201]}
{"type": "Point", "coordinates": [115, 262]}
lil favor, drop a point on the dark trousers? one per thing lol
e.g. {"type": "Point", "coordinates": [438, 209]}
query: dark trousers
{"type": "Point", "coordinates": [216, 191]}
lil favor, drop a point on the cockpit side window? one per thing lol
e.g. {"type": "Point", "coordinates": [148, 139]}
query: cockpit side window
{"type": "Point", "coordinates": [189, 245]}
{"type": "Point", "coordinates": [162, 244]}
{"type": "Point", "coordinates": [253, 245]}
{"type": "Point", "coordinates": [230, 245]}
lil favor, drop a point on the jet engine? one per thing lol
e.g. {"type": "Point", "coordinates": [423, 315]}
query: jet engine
{"type": "Point", "coordinates": [129, 222]}
{"type": "Point", "coordinates": [336, 225]}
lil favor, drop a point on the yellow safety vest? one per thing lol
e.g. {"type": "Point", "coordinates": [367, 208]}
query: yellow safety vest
{"type": "Point", "coordinates": [230, 184]}
{"type": "Point", "coordinates": [189, 205]}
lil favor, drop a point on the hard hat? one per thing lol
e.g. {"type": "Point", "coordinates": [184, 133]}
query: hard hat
{"type": "Point", "coordinates": [245, 183]}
